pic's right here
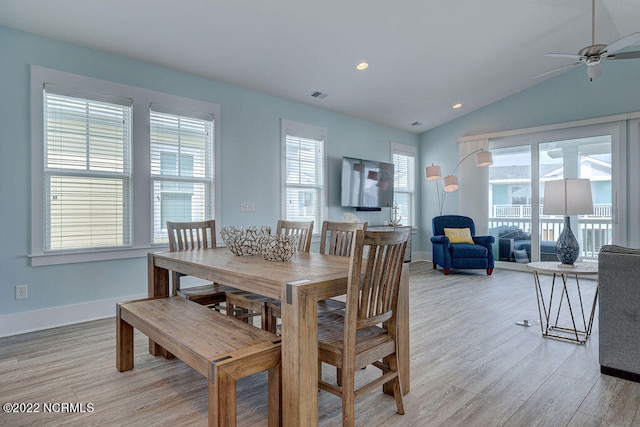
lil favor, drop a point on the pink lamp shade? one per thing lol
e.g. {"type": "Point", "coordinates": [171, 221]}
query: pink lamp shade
{"type": "Point", "coordinates": [484, 159]}
{"type": "Point", "coordinates": [433, 172]}
{"type": "Point", "coordinates": [450, 183]}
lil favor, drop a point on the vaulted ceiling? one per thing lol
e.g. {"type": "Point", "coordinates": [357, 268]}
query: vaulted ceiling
{"type": "Point", "coordinates": [424, 55]}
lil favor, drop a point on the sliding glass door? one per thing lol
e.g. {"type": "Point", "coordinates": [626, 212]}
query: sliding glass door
{"type": "Point", "coordinates": [522, 164]}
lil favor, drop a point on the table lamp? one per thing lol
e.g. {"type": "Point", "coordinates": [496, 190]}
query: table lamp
{"type": "Point", "coordinates": [567, 197]}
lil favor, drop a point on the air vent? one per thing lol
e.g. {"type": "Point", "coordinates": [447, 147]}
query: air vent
{"type": "Point", "coordinates": [416, 124]}
{"type": "Point", "coordinates": [319, 95]}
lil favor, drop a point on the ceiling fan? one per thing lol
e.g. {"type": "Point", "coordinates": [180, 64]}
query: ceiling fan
{"type": "Point", "coordinates": [594, 54]}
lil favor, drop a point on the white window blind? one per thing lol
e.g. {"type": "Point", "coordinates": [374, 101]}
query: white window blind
{"type": "Point", "coordinates": [304, 177]}
{"type": "Point", "coordinates": [87, 171]}
{"type": "Point", "coordinates": [181, 168]}
{"type": "Point", "coordinates": [404, 159]}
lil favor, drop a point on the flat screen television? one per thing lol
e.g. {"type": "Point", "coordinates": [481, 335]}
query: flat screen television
{"type": "Point", "coordinates": [366, 184]}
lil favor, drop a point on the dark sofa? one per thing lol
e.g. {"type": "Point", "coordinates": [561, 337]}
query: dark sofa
{"type": "Point", "coordinates": [514, 244]}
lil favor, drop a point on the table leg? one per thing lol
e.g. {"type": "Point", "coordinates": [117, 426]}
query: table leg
{"type": "Point", "coordinates": [299, 357]}
{"type": "Point", "coordinates": [158, 286]}
{"type": "Point", "coordinates": [572, 333]}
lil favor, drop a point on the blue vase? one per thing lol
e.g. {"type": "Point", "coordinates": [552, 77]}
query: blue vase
{"type": "Point", "coordinates": [567, 248]}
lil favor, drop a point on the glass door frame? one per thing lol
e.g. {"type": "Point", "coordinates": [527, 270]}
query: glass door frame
{"type": "Point", "coordinates": [619, 158]}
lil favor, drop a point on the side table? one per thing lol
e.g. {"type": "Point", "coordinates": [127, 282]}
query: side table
{"type": "Point", "coordinates": [574, 332]}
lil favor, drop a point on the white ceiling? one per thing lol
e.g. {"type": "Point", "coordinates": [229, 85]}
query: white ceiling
{"type": "Point", "coordinates": [424, 55]}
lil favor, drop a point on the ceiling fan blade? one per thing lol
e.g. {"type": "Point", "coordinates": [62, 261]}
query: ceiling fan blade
{"type": "Point", "coordinates": [565, 55]}
{"type": "Point", "coordinates": [622, 43]}
{"type": "Point", "coordinates": [556, 70]}
{"type": "Point", "coordinates": [624, 55]}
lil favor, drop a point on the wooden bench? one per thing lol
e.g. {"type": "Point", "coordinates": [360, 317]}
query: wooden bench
{"type": "Point", "coordinates": [219, 347]}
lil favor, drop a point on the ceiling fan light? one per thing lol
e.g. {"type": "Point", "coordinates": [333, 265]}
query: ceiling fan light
{"type": "Point", "coordinates": [594, 70]}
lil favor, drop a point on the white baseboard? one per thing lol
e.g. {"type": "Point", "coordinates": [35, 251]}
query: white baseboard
{"type": "Point", "coordinates": [421, 256]}
{"type": "Point", "coordinates": [36, 320]}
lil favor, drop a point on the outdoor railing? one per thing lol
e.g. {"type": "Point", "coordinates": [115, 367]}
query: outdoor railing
{"type": "Point", "coordinates": [524, 211]}
{"type": "Point", "coordinates": [592, 235]}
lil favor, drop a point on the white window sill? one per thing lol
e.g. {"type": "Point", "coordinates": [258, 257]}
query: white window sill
{"type": "Point", "coordinates": [38, 260]}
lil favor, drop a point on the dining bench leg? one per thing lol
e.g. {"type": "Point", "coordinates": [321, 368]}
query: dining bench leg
{"type": "Point", "coordinates": [124, 343]}
{"type": "Point", "coordinates": [222, 385]}
{"type": "Point", "coordinates": [222, 400]}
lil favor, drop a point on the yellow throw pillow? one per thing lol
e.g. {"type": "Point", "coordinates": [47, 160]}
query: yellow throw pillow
{"type": "Point", "coordinates": [458, 235]}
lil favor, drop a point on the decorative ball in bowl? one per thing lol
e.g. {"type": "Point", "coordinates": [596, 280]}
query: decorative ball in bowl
{"type": "Point", "coordinates": [244, 240]}
{"type": "Point", "coordinates": [279, 248]}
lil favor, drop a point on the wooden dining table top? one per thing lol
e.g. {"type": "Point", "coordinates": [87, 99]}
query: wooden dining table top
{"type": "Point", "coordinates": [324, 275]}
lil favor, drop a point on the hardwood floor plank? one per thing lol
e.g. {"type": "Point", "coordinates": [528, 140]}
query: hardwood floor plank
{"type": "Point", "coordinates": [471, 366]}
{"type": "Point", "coordinates": [614, 401]}
{"type": "Point", "coordinates": [553, 404]}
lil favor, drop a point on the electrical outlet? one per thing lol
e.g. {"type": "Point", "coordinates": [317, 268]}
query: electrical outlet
{"type": "Point", "coordinates": [21, 291]}
{"type": "Point", "coordinates": [247, 207]}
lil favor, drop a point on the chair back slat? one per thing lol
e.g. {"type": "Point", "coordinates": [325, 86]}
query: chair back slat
{"type": "Point", "coordinates": [302, 229]}
{"type": "Point", "coordinates": [336, 238]}
{"type": "Point", "coordinates": [374, 298]}
{"type": "Point", "coordinates": [184, 236]}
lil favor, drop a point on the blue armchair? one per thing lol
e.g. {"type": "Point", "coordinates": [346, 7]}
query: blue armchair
{"type": "Point", "coordinates": [460, 255]}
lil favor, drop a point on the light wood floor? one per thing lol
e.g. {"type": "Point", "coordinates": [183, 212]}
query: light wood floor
{"type": "Point", "coordinates": [471, 366]}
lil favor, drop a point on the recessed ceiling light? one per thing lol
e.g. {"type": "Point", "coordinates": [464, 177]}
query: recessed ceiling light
{"type": "Point", "coordinates": [456, 106]}
{"type": "Point", "coordinates": [362, 66]}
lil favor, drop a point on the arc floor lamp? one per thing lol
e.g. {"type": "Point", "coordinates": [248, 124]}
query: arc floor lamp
{"type": "Point", "coordinates": [484, 158]}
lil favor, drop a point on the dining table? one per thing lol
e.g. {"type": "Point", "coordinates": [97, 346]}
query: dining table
{"type": "Point", "coordinates": [299, 284]}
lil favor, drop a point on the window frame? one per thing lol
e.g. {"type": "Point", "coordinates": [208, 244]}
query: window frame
{"type": "Point", "coordinates": [408, 151]}
{"type": "Point", "coordinates": [303, 130]}
{"type": "Point", "coordinates": [57, 101]}
{"type": "Point", "coordinates": [204, 156]}
{"type": "Point", "coordinates": [141, 227]}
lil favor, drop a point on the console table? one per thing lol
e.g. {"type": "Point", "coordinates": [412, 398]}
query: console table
{"type": "Point", "coordinates": [575, 332]}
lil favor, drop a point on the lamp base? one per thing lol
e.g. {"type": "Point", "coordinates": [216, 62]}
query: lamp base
{"type": "Point", "coordinates": [567, 248]}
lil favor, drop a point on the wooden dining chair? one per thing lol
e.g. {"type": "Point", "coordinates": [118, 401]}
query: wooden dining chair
{"type": "Point", "coordinates": [247, 305]}
{"type": "Point", "coordinates": [190, 236]}
{"type": "Point", "coordinates": [302, 229]}
{"type": "Point", "coordinates": [336, 238]}
{"type": "Point", "coordinates": [365, 333]}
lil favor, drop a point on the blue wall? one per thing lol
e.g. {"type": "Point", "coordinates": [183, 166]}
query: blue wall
{"type": "Point", "coordinates": [250, 148]}
{"type": "Point", "coordinates": [567, 97]}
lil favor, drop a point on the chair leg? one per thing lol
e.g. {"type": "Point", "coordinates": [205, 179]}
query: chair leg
{"type": "Point", "coordinates": [348, 400]}
{"type": "Point", "coordinates": [434, 265]}
{"type": "Point", "coordinates": [446, 271]}
{"type": "Point", "coordinates": [489, 271]}
{"type": "Point", "coordinates": [397, 385]}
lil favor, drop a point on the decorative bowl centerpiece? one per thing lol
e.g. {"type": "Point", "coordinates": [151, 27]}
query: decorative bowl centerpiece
{"type": "Point", "coordinates": [279, 248]}
{"type": "Point", "coordinates": [244, 240]}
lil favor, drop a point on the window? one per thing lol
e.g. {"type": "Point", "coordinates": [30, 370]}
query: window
{"type": "Point", "coordinates": [87, 171]}
{"type": "Point", "coordinates": [404, 160]}
{"type": "Point", "coordinates": [181, 169]}
{"type": "Point", "coordinates": [304, 198]}
{"type": "Point", "coordinates": [111, 163]}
